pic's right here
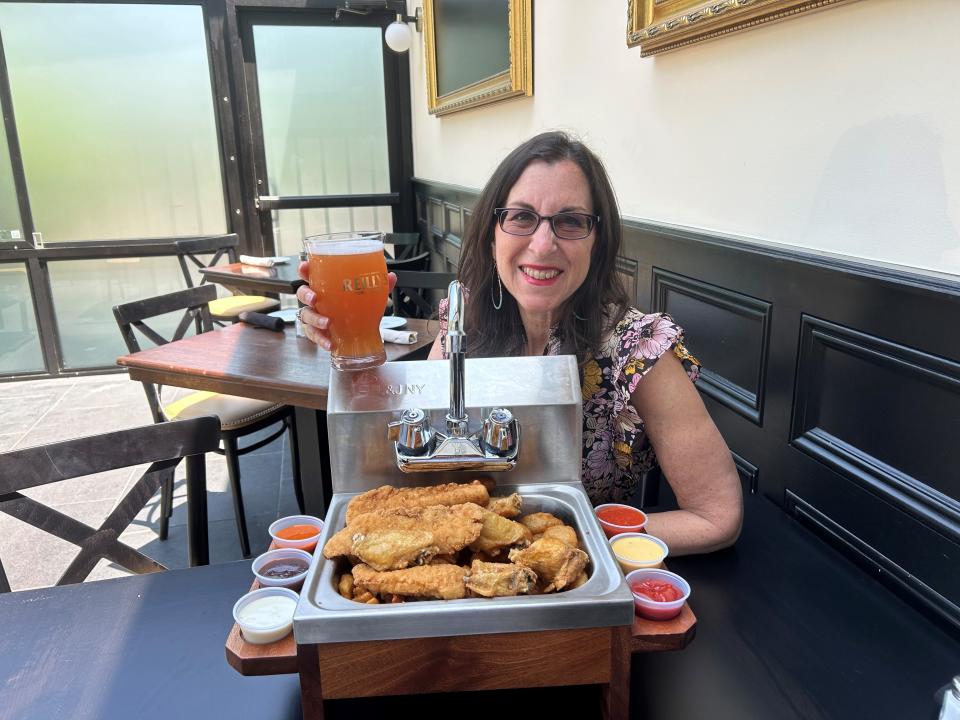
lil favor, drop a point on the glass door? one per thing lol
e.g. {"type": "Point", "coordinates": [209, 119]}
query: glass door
{"type": "Point", "coordinates": [327, 104]}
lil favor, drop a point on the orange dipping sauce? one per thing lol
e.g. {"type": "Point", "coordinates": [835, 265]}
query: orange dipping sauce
{"type": "Point", "coordinates": [622, 516]}
{"type": "Point", "coordinates": [298, 532]}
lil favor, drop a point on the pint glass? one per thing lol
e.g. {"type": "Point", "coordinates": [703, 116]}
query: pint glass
{"type": "Point", "coordinates": [348, 273]}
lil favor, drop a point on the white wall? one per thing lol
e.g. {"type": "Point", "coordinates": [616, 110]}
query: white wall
{"type": "Point", "coordinates": [838, 130]}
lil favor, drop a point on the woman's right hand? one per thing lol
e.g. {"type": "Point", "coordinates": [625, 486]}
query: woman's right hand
{"type": "Point", "coordinates": [315, 325]}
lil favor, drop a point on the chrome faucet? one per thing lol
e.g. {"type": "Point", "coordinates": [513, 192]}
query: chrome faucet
{"type": "Point", "coordinates": [419, 447]}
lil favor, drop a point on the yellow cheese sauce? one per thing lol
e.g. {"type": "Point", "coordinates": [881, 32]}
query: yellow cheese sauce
{"type": "Point", "coordinates": [638, 549]}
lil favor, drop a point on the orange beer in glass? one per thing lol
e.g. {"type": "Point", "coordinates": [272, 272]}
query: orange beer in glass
{"type": "Point", "coordinates": [348, 273]}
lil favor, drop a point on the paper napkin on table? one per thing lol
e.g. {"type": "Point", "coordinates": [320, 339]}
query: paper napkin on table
{"type": "Point", "coordinates": [262, 261]}
{"type": "Point", "coordinates": [401, 337]}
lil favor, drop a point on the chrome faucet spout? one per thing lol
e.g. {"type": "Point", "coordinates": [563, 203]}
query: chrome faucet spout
{"type": "Point", "coordinates": [457, 349]}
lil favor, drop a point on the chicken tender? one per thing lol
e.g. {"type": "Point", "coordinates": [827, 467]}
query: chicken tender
{"type": "Point", "coordinates": [387, 497]}
{"type": "Point", "coordinates": [564, 533]}
{"type": "Point", "coordinates": [499, 532]}
{"type": "Point", "coordinates": [400, 537]}
{"type": "Point", "coordinates": [555, 563]}
{"type": "Point", "coordinates": [438, 582]}
{"type": "Point", "coordinates": [500, 579]}
{"type": "Point", "coordinates": [539, 522]}
{"type": "Point", "coordinates": [508, 507]}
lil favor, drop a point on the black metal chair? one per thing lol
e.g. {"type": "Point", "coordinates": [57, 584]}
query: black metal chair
{"type": "Point", "coordinates": [163, 446]}
{"type": "Point", "coordinates": [412, 296]}
{"type": "Point", "coordinates": [239, 416]}
{"type": "Point", "coordinates": [225, 309]}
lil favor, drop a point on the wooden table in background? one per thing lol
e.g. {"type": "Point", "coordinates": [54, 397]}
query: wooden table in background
{"type": "Point", "coordinates": [276, 366]}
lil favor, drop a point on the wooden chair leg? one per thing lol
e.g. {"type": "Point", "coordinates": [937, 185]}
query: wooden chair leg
{"type": "Point", "coordinates": [295, 458]}
{"type": "Point", "coordinates": [233, 472]}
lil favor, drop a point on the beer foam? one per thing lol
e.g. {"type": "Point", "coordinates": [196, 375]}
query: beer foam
{"type": "Point", "coordinates": [353, 246]}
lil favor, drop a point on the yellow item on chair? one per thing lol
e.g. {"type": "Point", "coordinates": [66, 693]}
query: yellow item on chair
{"type": "Point", "coordinates": [233, 411]}
{"type": "Point", "coordinates": [230, 307]}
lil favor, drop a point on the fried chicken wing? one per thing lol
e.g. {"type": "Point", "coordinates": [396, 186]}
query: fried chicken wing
{"type": "Point", "coordinates": [540, 521]}
{"type": "Point", "coordinates": [564, 533]}
{"type": "Point", "coordinates": [555, 563]}
{"type": "Point", "coordinates": [399, 537]}
{"type": "Point", "coordinates": [500, 579]}
{"type": "Point", "coordinates": [439, 582]}
{"type": "Point", "coordinates": [387, 497]}
{"type": "Point", "coordinates": [499, 532]}
{"type": "Point", "coordinates": [508, 507]}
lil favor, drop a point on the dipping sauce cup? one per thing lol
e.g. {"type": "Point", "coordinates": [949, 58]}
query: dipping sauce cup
{"type": "Point", "coordinates": [616, 518]}
{"type": "Point", "coordinates": [659, 583]}
{"type": "Point", "coordinates": [296, 531]}
{"type": "Point", "coordinates": [265, 615]}
{"type": "Point", "coordinates": [638, 550]}
{"type": "Point", "coordinates": [283, 567]}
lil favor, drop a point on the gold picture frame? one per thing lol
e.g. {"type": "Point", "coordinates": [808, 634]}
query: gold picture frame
{"type": "Point", "coordinates": [513, 81]}
{"type": "Point", "coordinates": [661, 25]}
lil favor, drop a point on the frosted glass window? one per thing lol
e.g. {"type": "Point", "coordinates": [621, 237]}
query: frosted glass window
{"type": "Point", "coordinates": [19, 341]}
{"type": "Point", "coordinates": [323, 109]}
{"type": "Point", "coordinates": [290, 227]}
{"type": "Point", "coordinates": [11, 227]}
{"type": "Point", "coordinates": [84, 293]}
{"type": "Point", "coordinates": [115, 117]}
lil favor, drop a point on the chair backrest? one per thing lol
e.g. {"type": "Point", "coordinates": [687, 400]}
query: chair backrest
{"type": "Point", "coordinates": [415, 263]}
{"type": "Point", "coordinates": [131, 317]}
{"type": "Point", "coordinates": [163, 446]}
{"type": "Point", "coordinates": [219, 245]}
{"type": "Point", "coordinates": [410, 298]}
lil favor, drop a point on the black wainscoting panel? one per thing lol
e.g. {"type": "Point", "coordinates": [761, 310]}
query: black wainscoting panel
{"type": "Point", "coordinates": [847, 398]}
{"type": "Point", "coordinates": [896, 446]}
{"type": "Point", "coordinates": [749, 474]}
{"type": "Point", "coordinates": [727, 331]}
{"type": "Point", "coordinates": [630, 273]}
{"type": "Point", "coordinates": [436, 217]}
{"type": "Point", "coordinates": [452, 220]}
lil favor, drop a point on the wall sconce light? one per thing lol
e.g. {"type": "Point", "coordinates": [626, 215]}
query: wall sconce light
{"type": "Point", "coordinates": [398, 36]}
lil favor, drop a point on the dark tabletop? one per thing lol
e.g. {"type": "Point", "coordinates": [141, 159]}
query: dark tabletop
{"type": "Point", "coordinates": [788, 628]}
{"type": "Point", "coordinates": [148, 646]}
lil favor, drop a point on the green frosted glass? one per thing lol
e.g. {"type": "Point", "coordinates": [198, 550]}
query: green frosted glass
{"type": "Point", "coordinates": [290, 227]}
{"type": "Point", "coordinates": [115, 116]}
{"type": "Point", "coordinates": [19, 341]}
{"type": "Point", "coordinates": [11, 228]}
{"type": "Point", "coordinates": [84, 293]}
{"type": "Point", "coordinates": [323, 109]}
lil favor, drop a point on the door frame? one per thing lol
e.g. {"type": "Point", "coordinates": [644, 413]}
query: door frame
{"type": "Point", "coordinates": [396, 75]}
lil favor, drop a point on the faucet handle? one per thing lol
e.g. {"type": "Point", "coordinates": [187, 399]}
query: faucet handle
{"type": "Point", "coordinates": [412, 432]}
{"type": "Point", "coordinates": [498, 431]}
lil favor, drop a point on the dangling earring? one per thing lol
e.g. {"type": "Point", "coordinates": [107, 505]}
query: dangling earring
{"type": "Point", "coordinates": [581, 319]}
{"type": "Point", "coordinates": [497, 303]}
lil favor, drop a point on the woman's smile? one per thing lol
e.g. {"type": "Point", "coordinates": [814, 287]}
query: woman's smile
{"type": "Point", "coordinates": [539, 275]}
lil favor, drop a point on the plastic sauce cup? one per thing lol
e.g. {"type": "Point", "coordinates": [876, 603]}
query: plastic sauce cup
{"type": "Point", "coordinates": [610, 529]}
{"type": "Point", "coordinates": [657, 548]}
{"type": "Point", "coordinates": [294, 581]}
{"type": "Point", "coordinates": [308, 543]}
{"type": "Point", "coordinates": [265, 615]}
{"type": "Point", "coordinates": [654, 609]}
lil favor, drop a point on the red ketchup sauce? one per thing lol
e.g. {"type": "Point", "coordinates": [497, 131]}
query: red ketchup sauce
{"type": "Point", "coordinates": [656, 590]}
{"type": "Point", "coordinates": [622, 516]}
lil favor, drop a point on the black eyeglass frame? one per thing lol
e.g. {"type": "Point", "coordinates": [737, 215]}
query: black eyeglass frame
{"type": "Point", "coordinates": [501, 214]}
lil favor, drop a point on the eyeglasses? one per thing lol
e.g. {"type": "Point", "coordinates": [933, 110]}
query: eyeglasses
{"type": "Point", "coordinates": [566, 225]}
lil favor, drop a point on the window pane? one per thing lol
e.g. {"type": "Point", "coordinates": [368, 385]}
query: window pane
{"type": "Point", "coordinates": [115, 116]}
{"type": "Point", "coordinates": [323, 109]}
{"type": "Point", "coordinates": [84, 293]}
{"type": "Point", "coordinates": [11, 227]}
{"type": "Point", "coordinates": [290, 227]}
{"type": "Point", "coordinates": [19, 340]}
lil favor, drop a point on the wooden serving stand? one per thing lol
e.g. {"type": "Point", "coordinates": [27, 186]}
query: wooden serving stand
{"type": "Point", "coordinates": [460, 663]}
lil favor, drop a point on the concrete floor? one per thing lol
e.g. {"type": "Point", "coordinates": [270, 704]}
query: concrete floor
{"type": "Point", "coordinates": [43, 411]}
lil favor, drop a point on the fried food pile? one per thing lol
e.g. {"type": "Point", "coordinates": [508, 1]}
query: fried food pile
{"type": "Point", "coordinates": [452, 541]}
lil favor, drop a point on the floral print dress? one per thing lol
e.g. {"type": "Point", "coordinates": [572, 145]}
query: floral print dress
{"type": "Point", "coordinates": [616, 451]}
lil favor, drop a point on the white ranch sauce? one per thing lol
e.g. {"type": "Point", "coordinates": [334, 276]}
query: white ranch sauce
{"type": "Point", "coordinates": [267, 612]}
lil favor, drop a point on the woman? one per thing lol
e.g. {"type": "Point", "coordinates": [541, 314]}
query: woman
{"type": "Point", "coordinates": [539, 260]}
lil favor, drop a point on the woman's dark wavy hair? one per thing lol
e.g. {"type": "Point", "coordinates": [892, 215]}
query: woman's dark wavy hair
{"type": "Point", "coordinates": [596, 306]}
